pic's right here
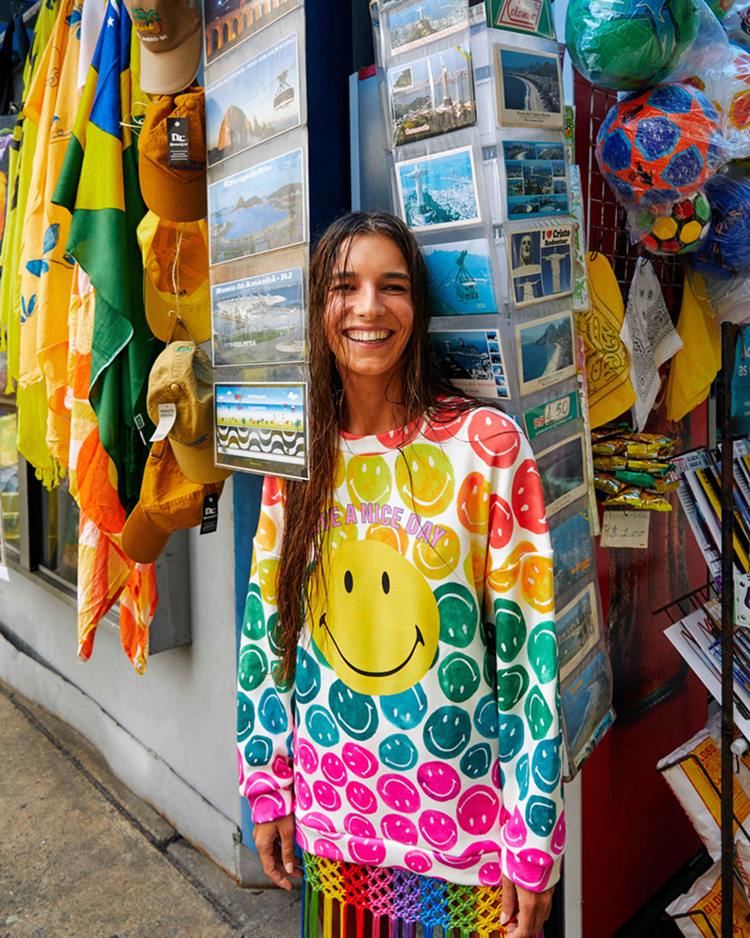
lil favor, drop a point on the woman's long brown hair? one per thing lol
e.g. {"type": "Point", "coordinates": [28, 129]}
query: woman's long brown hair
{"type": "Point", "coordinates": [421, 388]}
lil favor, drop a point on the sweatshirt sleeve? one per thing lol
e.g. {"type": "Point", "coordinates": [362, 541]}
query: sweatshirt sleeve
{"type": "Point", "coordinates": [265, 715]}
{"type": "Point", "coordinates": [519, 601]}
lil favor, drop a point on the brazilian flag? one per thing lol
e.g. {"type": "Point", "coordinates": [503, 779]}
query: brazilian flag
{"type": "Point", "coordinates": [99, 185]}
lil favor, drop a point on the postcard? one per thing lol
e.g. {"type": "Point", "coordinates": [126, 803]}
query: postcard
{"type": "Point", "coordinates": [461, 280]}
{"type": "Point", "coordinates": [587, 707]}
{"type": "Point", "coordinates": [433, 95]}
{"type": "Point", "coordinates": [413, 24]}
{"type": "Point", "coordinates": [563, 471]}
{"type": "Point", "coordinates": [572, 547]}
{"type": "Point", "coordinates": [262, 428]}
{"type": "Point", "coordinates": [521, 16]}
{"type": "Point", "coordinates": [536, 179]}
{"type": "Point", "coordinates": [226, 28]}
{"type": "Point", "coordinates": [545, 351]}
{"type": "Point", "coordinates": [577, 630]}
{"type": "Point", "coordinates": [258, 100]}
{"type": "Point", "coordinates": [529, 91]}
{"type": "Point", "coordinates": [551, 415]}
{"type": "Point", "coordinates": [258, 209]}
{"type": "Point", "coordinates": [473, 361]}
{"type": "Point", "coordinates": [439, 191]}
{"type": "Point", "coordinates": [541, 264]}
{"type": "Point", "coordinates": [259, 320]}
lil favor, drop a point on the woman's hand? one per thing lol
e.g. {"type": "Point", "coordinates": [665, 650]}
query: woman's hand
{"type": "Point", "coordinates": [524, 912]}
{"type": "Point", "coordinates": [274, 842]}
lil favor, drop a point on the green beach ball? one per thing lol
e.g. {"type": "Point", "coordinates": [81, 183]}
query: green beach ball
{"type": "Point", "coordinates": [625, 45]}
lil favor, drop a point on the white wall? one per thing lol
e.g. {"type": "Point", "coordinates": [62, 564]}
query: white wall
{"type": "Point", "coordinates": [169, 735]}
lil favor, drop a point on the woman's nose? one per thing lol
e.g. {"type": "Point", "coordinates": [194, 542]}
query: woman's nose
{"type": "Point", "coordinates": [367, 301]}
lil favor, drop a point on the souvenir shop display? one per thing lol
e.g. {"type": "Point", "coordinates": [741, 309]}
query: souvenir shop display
{"type": "Point", "coordinates": [481, 175]}
{"type": "Point", "coordinates": [258, 209]}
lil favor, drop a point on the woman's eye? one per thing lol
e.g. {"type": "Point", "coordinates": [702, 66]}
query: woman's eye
{"type": "Point", "coordinates": [395, 288]}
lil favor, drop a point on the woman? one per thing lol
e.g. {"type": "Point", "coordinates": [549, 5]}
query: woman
{"type": "Point", "coordinates": [407, 734]}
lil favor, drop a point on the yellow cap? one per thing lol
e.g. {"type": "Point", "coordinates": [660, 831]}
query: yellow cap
{"type": "Point", "coordinates": [176, 192]}
{"type": "Point", "coordinates": [181, 375]}
{"type": "Point", "coordinates": [176, 288]}
{"type": "Point", "coordinates": [168, 503]}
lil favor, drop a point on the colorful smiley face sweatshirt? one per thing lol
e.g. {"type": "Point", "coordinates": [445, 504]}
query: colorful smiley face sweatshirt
{"type": "Point", "coordinates": [422, 730]}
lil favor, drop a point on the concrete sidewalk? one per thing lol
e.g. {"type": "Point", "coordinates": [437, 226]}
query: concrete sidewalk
{"type": "Point", "coordinates": [81, 856]}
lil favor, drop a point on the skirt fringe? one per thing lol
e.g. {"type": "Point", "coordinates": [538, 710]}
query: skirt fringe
{"type": "Point", "coordinates": [393, 903]}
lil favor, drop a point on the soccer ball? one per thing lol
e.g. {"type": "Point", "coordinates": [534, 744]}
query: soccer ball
{"type": "Point", "coordinates": [726, 250]}
{"type": "Point", "coordinates": [626, 45]}
{"type": "Point", "coordinates": [659, 146]}
{"type": "Point", "coordinates": [678, 231]}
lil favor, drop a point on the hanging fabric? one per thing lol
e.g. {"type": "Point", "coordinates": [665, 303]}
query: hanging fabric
{"type": "Point", "coordinates": [99, 186]}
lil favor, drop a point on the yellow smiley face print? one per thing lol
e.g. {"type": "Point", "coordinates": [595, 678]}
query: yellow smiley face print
{"type": "Point", "coordinates": [377, 624]}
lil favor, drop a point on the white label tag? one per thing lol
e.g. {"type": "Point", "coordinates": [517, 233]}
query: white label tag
{"type": "Point", "coordinates": [167, 417]}
{"type": "Point", "coordinates": [742, 599]}
{"type": "Point", "coordinates": [625, 529]}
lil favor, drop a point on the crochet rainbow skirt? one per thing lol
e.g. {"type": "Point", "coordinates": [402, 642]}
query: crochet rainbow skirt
{"type": "Point", "coordinates": [398, 902]}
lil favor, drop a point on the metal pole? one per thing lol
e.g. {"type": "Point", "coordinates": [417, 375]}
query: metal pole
{"type": "Point", "coordinates": [728, 340]}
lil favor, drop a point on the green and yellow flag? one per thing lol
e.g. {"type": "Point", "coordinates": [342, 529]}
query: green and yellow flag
{"type": "Point", "coordinates": [99, 186]}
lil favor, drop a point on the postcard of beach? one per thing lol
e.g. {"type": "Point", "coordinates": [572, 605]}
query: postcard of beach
{"type": "Point", "coordinates": [473, 361]}
{"type": "Point", "coordinates": [541, 264]}
{"type": "Point", "coordinates": [551, 414]}
{"type": "Point", "coordinates": [529, 92]}
{"type": "Point", "coordinates": [577, 630]}
{"type": "Point", "coordinates": [262, 428]}
{"type": "Point", "coordinates": [587, 707]}
{"type": "Point", "coordinates": [439, 191]}
{"type": "Point", "coordinates": [461, 282]}
{"type": "Point", "coordinates": [259, 320]}
{"type": "Point", "coordinates": [563, 471]}
{"type": "Point", "coordinates": [258, 100]}
{"type": "Point", "coordinates": [522, 16]}
{"type": "Point", "coordinates": [545, 351]}
{"type": "Point", "coordinates": [413, 24]}
{"type": "Point", "coordinates": [573, 551]}
{"type": "Point", "coordinates": [535, 179]}
{"type": "Point", "coordinates": [432, 96]}
{"type": "Point", "coordinates": [258, 209]}
{"type": "Point", "coordinates": [228, 23]}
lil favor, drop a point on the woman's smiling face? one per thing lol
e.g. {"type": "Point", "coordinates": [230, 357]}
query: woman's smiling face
{"type": "Point", "coordinates": [369, 314]}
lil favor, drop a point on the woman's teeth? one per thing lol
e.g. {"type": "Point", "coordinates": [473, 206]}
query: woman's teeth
{"type": "Point", "coordinates": [358, 336]}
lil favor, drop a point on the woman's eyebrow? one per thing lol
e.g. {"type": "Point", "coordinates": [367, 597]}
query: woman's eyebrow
{"type": "Point", "coordinates": [397, 275]}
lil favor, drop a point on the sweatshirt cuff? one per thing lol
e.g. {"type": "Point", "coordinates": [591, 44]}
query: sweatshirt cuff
{"type": "Point", "coordinates": [271, 805]}
{"type": "Point", "coordinates": [531, 869]}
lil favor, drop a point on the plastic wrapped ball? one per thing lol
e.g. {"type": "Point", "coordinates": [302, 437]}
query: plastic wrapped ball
{"type": "Point", "coordinates": [679, 230]}
{"type": "Point", "coordinates": [657, 147]}
{"type": "Point", "coordinates": [626, 45]}
{"type": "Point", "coordinates": [726, 250]}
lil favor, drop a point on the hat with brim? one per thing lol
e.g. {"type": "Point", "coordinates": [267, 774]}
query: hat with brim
{"type": "Point", "coordinates": [170, 72]}
{"type": "Point", "coordinates": [175, 284]}
{"type": "Point", "coordinates": [197, 462]}
{"type": "Point", "coordinates": [174, 191]}
{"type": "Point", "coordinates": [169, 502]}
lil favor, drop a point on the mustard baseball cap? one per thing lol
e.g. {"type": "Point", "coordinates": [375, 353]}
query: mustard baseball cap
{"type": "Point", "coordinates": [176, 192]}
{"type": "Point", "coordinates": [175, 286]}
{"type": "Point", "coordinates": [169, 502]}
{"type": "Point", "coordinates": [170, 35]}
{"type": "Point", "coordinates": [181, 376]}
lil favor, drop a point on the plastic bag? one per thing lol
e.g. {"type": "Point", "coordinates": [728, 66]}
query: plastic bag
{"type": "Point", "coordinates": [628, 45]}
{"type": "Point", "coordinates": [725, 80]}
{"type": "Point", "coordinates": [697, 913]}
{"type": "Point", "coordinates": [673, 229]}
{"type": "Point", "coordinates": [660, 146]}
{"type": "Point", "coordinates": [726, 250]}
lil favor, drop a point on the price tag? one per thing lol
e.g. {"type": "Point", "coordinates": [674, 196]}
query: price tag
{"type": "Point", "coordinates": [625, 529]}
{"type": "Point", "coordinates": [210, 519]}
{"type": "Point", "coordinates": [167, 417]}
